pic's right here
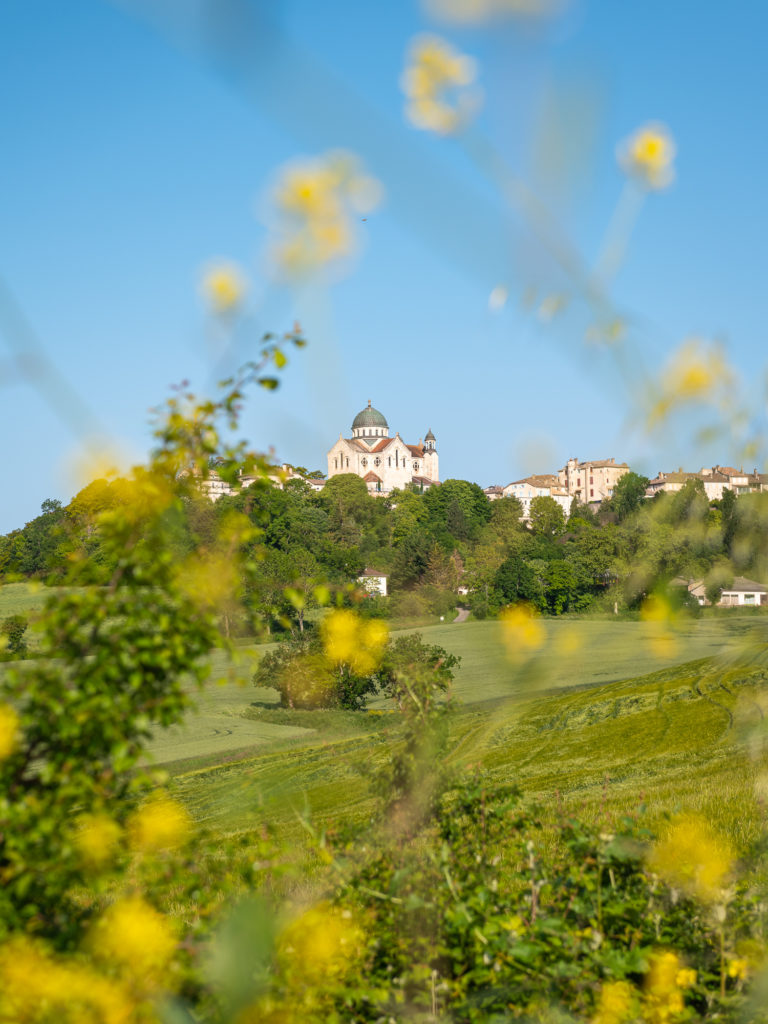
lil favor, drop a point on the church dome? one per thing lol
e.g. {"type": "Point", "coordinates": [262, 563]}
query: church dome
{"type": "Point", "coordinates": [369, 418]}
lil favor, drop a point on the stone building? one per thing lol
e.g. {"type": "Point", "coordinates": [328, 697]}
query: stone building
{"type": "Point", "coordinates": [384, 462]}
{"type": "Point", "coordinates": [591, 481]}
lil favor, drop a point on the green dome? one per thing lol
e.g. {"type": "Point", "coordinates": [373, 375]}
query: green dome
{"type": "Point", "coordinates": [369, 418]}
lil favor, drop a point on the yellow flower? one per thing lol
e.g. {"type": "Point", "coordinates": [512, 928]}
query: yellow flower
{"type": "Point", "coordinates": [477, 11]}
{"type": "Point", "coordinates": [135, 937]}
{"type": "Point", "coordinates": [738, 968]}
{"type": "Point", "coordinates": [696, 372]}
{"type": "Point", "coordinates": [314, 201]}
{"type": "Point", "coordinates": [223, 286]}
{"type": "Point", "coordinates": [648, 156]}
{"type": "Point", "coordinates": [618, 1002]}
{"type": "Point", "coordinates": [96, 839]}
{"type": "Point", "coordinates": [692, 857]}
{"type": "Point", "coordinates": [522, 631]}
{"type": "Point", "coordinates": [36, 987]}
{"type": "Point", "coordinates": [160, 824]}
{"type": "Point", "coordinates": [435, 83]}
{"type": "Point", "coordinates": [9, 731]}
{"type": "Point", "coordinates": [350, 640]}
{"type": "Point", "coordinates": [321, 945]}
{"type": "Point", "coordinates": [663, 997]}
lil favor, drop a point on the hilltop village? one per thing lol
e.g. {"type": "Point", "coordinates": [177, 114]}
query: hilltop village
{"type": "Point", "coordinates": [387, 463]}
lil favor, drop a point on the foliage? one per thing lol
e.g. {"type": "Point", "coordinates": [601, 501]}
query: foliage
{"type": "Point", "coordinates": [13, 628]}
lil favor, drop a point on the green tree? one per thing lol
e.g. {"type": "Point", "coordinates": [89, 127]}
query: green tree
{"type": "Point", "coordinates": [628, 495]}
{"type": "Point", "coordinates": [14, 627]}
{"type": "Point", "coordinates": [547, 517]}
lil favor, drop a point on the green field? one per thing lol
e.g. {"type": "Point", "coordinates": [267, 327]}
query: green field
{"type": "Point", "coordinates": [594, 721]}
{"type": "Point", "coordinates": [223, 722]}
{"type": "Point", "coordinates": [605, 730]}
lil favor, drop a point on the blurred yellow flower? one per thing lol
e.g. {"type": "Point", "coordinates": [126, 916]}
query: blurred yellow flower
{"type": "Point", "coordinates": [738, 968]}
{"type": "Point", "coordinates": [648, 156]}
{"type": "Point", "coordinates": [350, 640]}
{"type": "Point", "coordinates": [435, 83]}
{"type": "Point", "coordinates": [9, 731]}
{"type": "Point", "coordinates": [696, 372]}
{"type": "Point", "coordinates": [321, 945]}
{"type": "Point", "coordinates": [159, 824]}
{"type": "Point", "coordinates": [314, 202]}
{"type": "Point", "coordinates": [664, 986]}
{"type": "Point", "coordinates": [36, 987]}
{"type": "Point", "coordinates": [223, 286]}
{"type": "Point", "coordinates": [478, 11]}
{"type": "Point", "coordinates": [693, 858]}
{"type": "Point", "coordinates": [96, 839]}
{"type": "Point", "coordinates": [522, 631]}
{"type": "Point", "coordinates": [618, 1003]}
{"type": "Point", "coordinates": [135, 937]}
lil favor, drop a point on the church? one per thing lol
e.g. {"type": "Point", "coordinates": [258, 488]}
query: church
{"type": "Point", "coordinates": [384, 462]}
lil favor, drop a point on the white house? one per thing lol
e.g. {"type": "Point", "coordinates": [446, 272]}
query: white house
{"type": "Point", "coordinates": [374, 582]}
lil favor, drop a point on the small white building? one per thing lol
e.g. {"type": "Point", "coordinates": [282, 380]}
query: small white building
{"type": "Point", "coordinates": [374, 582]}
{"type": "Point", "coordinates": [744, 593]}
{"type": "Point", "coordinates": [543, 485]}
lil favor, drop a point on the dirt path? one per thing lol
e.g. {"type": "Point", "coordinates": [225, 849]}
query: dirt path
{"type": "Point", "coordinates": [462, 616]}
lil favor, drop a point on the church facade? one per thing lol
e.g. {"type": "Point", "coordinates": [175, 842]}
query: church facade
{"type": "Point", "coordinates": [384, 462]}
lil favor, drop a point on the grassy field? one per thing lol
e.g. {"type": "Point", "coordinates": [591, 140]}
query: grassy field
{"type": "Point", "coordinates": [604, 739]}
{"type": "Point", "coordinates": [230, 720]}
{"type": "Point", "coordinates": [595, 722]}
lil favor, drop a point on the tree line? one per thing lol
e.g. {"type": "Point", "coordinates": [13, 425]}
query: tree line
{"type": "Point", "coordinates": [446, 546]}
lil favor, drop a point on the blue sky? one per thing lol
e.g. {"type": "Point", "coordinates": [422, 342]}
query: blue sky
{"type": "Point", "coordinates": [139, 140]}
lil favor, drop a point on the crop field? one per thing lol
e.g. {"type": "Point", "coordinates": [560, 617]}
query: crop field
{"type": "Point", "coordinates": [606, 741]}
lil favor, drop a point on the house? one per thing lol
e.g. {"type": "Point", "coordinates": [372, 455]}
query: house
{"type": "Point", "coordinates": [744, 593]}
{"type": "Point", "coordinates": [374, 582]}
{"type": "Point", "coordinates": [542, 485]}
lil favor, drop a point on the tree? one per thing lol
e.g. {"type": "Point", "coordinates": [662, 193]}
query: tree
{"type": "Point", "coordinates": [628, 495]}
{"type": "Point", "coordinates": [547, 517]}
{"type": "Point", "coordinates": [515, 581]}
{"type": "Point", "coordinates": [14, 628]}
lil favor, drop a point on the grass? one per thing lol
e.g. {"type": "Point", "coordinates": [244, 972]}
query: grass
{"type": "Point", "coordinates": [574, 734]}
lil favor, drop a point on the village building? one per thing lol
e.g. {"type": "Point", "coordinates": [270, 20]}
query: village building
{"type": "Point", "coordinates": [384, 462]}
{"type": "Point", "coordinates": [591, 480]}
{"type": "Point", "coordinates": [742, 593]}
{"type": "Point", "coordinates": [715, 480]}
{"type": "Point", "coordinates": [374, 582]}
{"type": "Point", "coordinates": [214, 487]}
{"type": "Point", "coordinates": [542, 485]}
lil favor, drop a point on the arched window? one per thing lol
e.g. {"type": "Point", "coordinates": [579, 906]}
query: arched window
{"type": "Point", "coordinates": [389, 461]}
{"type": "Point", "coordinates": [377, 461]}
{"type": "Point", "coordinates": [415, 467]}
{"type": "Point", "coordinates": [335, 463]}
{"type": "Point", "coordinates": [347, 462]}
{"type": "Point", "coordinates": [363, 462]}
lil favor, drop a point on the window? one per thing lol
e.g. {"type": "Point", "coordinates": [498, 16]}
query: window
{"type": "Point", "coordinates": [335, 463]}
{"type": "Point", "coordinates": [591, 480]}
{"type": "Point", "coordinates": [363, 462]}
{"type": "Point", "coordinates": [415, 467]}
{"type": "Point", "coordinates": [389, 461]}
{"type": "Point", "coordinates": [591, 493]}
{"type": "Point", "coordinates": [377, 461]}
{"type": "Point", "coordinates": [347, 462]}
{"type": "Point", "coordinates": [749, 599]}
